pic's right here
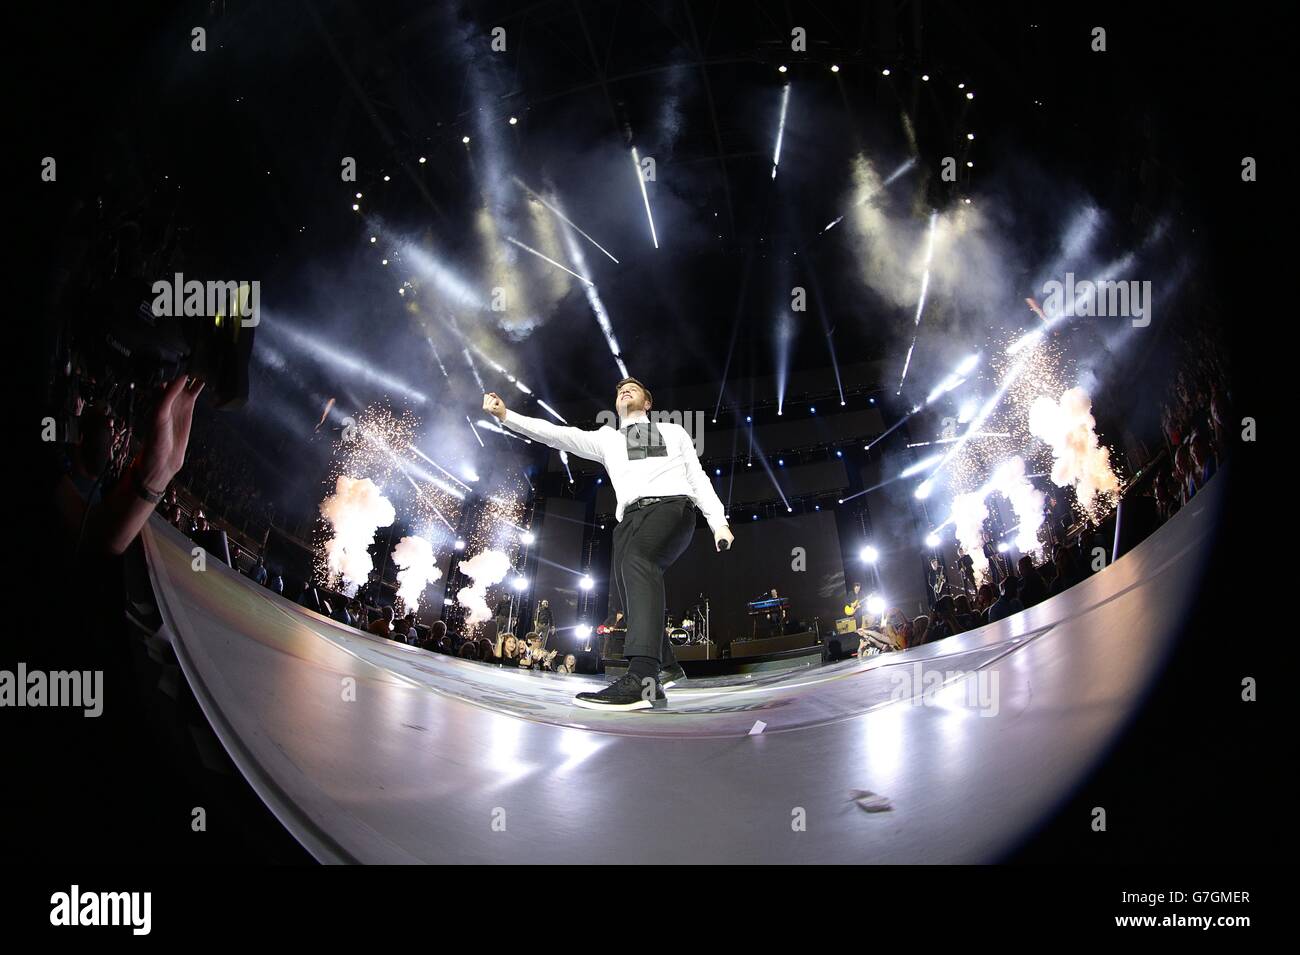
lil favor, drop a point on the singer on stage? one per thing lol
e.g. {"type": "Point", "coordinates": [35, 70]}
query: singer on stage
{"type": "Point", "coordinates": [658, 483]}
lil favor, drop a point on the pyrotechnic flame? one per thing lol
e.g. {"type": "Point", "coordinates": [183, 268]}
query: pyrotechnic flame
{"type": "Point", "coordinates": [1078, 459]}
{"type": "Point", "coordinates": [486, 569]}
{"type": "Point", "coordinates": [968, 513]}
{"type": "Point", "coordinates": [355, 510]}
{"type": "Point", "coordinates": [414, 558]}
{"type": "Point", "coordinates": [1009, 479]}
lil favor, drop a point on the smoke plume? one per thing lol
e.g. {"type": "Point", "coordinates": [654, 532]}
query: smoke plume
{"type": "Point", "coordinates": [1009, 478]}
{"type": "Point", "coordinates": [1078, 460]}
{"type": "Point", "coordinates": [414, 558]}
{"type": "Point", "coordinates": [968, 514]}
{"type": "Point", "coordinates": [355, 510]}
{"type": "Point", "coordinates": [486, 569]}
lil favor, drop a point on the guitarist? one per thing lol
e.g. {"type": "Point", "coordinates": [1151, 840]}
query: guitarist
{"type": "Point", "coordinates": [937, 580]}
{"type": "Point", "coordinates": [966, 566]}
{"type": "Point", "coordinates": [856, 605]}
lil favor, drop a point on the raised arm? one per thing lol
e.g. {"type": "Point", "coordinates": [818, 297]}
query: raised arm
{"type": "Point", "coordinates": [585, 444]}
{"type": "Point", "coordinates": [116, 520]}
{"type": "Point", "coordinates": [706, 498]}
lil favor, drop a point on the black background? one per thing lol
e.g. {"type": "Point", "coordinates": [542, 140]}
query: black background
{"type": "Point", "coordinates": [1197, 780]}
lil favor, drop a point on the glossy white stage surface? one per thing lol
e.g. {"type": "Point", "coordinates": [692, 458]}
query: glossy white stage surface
{"type": "Point", "coordinates": [443, 760]}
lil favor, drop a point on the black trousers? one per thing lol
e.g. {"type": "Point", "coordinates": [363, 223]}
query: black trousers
{"type": "Point", "coordinates": [646, 542]}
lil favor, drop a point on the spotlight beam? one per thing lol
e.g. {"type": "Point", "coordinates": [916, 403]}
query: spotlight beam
{"type": "Point", "coordinates": [645, 196]}
{"type": "Point", "coordinates": [870, 195]}
{"type": "Point", "coordinates": [597, 305]}
{"type": "Point", "coordinates": [762, 459]}
{"type": "Point", "coordinates": [874, 487]}
{"type": "Point", "coordinates": [424, 497]}
{"type": "Point", "coordinates": [346, 364]}
{"type": "Point", "coordinates": [1061, 314]}
{"type": "Point", "coordinates": [977, 423]}
{"type": "Point", "coordinates": [546, 258]}
{"type": "Point", "coordinates": [920, 304]}
{"type": "Point", "coordinates": [438, 358]}
{"type": "Point", "coordinates": [978, 434]}
{"type": "Point", "coordinates": [826, 330]}
{"type": "Point", "coordinates": [569, 222]}
{"type": "Point", "coordinates": [735, 330]}
{"type": "Point", "coordinates": [780, 129]}
{"type": "Point", "coordinates": [890, 430]}
{"type": "Point", "coordinates": [430, 460]}
{"type": "Point", "coordinates": [470, 347]}
{"type": "Point", "coordinates": [552, 412]}
{"type": "Point", "coordinates": [489, 426]}
{"type": "Point", "coordinates": [551, 563]}
{"type": "Point", "coordinates": [449, 283]}
{"type": "Point", "coordinates": [469, 360]}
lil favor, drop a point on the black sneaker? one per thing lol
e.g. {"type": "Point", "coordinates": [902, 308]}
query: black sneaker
{"type": "Point", "coordinates": [671, 675]}
{"type": "Point", "coordinates": [626, 693]}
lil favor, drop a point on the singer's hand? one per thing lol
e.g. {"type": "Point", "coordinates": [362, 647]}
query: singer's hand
{"type": "Point", "coordinates": [723, 535]}
{"type": "Point", "coordinates": [494, 406]}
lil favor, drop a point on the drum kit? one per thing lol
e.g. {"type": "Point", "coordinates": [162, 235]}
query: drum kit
{"type": "Point", "coordinates": [693, 629]}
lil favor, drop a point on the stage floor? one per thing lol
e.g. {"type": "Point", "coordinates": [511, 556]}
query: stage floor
{"type": "Point", "coordinates": [371, 751]}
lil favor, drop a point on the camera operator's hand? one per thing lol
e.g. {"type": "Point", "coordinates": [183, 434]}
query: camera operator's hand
{"type": "Point", "coordinates": [109, 526]}
{"type": "Point", "coordinates": [163, 451]}
{"type": "Point", "coordinates": [494, 406]}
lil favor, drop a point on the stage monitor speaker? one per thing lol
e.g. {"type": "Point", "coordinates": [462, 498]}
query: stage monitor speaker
{"type": "Point", "coordinates": [612, 647]}
{"type": "Point", "coordinates": [753, 648]}
{"type": "Point", "coordinates": [841, 646]}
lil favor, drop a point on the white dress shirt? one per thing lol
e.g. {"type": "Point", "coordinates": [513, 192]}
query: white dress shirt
{"type": "Point", "coordinates": [676, 473]}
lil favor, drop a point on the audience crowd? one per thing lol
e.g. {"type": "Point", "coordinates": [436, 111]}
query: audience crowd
{"type": "Point", "coordinates": [1194, 423]}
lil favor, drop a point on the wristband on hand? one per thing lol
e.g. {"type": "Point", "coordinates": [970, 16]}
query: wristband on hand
{"type": "Point", "coordinates": [153, 497]}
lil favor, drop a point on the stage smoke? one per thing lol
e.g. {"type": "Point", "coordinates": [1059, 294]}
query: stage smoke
{"type": "Point", "coordinates": [486, 569]}
{"type": "Point", "coordinates": [1078, 460]}
{"type": "Point", "coordinates": [1009, 479]}
{"type": "Point", "coordinates": [355, 510]}
{"type": "Point", "coordinates": [968, 514]}
{"type": "Point", "coordinates": [415, 561]}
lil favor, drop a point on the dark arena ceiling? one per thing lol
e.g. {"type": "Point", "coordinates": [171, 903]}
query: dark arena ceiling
{"type": "Point", "coordinates": [238, 151]}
